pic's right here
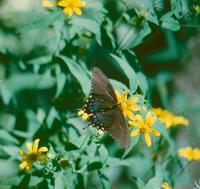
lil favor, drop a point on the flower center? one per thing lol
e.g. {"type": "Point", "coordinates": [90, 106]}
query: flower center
{"type": "Point", "coordinates": [144, 129]}
{"type": "Point", "coordinates": [33, 156]}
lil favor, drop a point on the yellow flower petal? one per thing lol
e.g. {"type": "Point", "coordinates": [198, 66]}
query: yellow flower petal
{"type": "Point", "coordinates": [80, 4]}
{"type": "Point", "coordinates": [147, 139]}
{"type": "Point", "coordinates": [155, 132]}
{"type": "Point", "coordinates": [22, 153]}
{"type": "Point", "coordinates": [134, 124]}
{"type": "Point", "coordinates": [77, 11]}
{"type": "Point", "coordinates": [129, 114]}
{"type": "Point", "coordinates": [35, 145]}
{"type": "Point", "coordinates": [43, 149]}
{"type": "Point", "coordinates": [124, 95]}
{"type": "Point", "coordinates": [118, 96]}
{"type": "Point", "coordinates": [29, 146]}
{"type": "Point", "coordinates": [23, 164]}
{"type": "Point", "coordinates": [139, 119]}
{"type": "Point", "coordinates": [47, 3]}
{"type": "Point", "coordinates": [68, 11]}
{"type": "Point", "coordinates": [150, 119]}
{"type": "Point", "coordinates": [132, 101]}
{"type": "Point", "coordinates": [80, 113]}
{"type": "Point", "coordinates": [165, 185]}
{"type": "Point", "coordinates": [63, 3]}
{"type": "Point", "coordinates": [196, 153]}
{"type": "Point", "coordinates": [133, 108]}
{"type": "Point", "coordinates": [134, 133]}
{"type": "Point", "coordinates": [29, 166]}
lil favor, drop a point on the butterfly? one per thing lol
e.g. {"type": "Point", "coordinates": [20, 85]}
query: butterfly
{"type": "Point", "coordinates": [102, 109]}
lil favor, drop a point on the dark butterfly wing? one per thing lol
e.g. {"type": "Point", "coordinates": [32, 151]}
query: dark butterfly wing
{"type": "Point", "coordinates": [107, 114]}
{"type": "Point", "coordinates": [102, 87]}
{"type": "Point", "coordinates": [119, 130]}
{"type": "Point", "coordinates": [114, 122]}
{"type": "Point", "coordinates": [102, 95]}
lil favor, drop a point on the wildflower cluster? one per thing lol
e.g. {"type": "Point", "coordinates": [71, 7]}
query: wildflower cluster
{"type": "Point", "coordinates": [169, 119]}
{"type": "Point", "coordinates": [189, 153]}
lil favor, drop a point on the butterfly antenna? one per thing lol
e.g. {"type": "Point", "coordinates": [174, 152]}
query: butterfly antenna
{"type": "Point", "coordinates": [86, 126]}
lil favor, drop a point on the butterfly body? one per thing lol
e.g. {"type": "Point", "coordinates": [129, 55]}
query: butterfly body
{"type": "Point", "coordinates": [102, 109]}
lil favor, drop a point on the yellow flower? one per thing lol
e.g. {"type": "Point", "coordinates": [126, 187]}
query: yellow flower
{"type": "Point", "coordinates": [84, 115]}
{"type": "Point", "coordinates": [34, 154]}
{"type": "Point", "coordinates": [189, 153]}
{"type": "Point", "coordinates": [166, 185]}
{"type": "Point", "coordinates": [144, 126]}
{"type": "Point", "coordinates": [71, 6]}
{"type": "Point", "coordinates": [127, 105]}
{"type": "Point", "coordinates": [169, 119]}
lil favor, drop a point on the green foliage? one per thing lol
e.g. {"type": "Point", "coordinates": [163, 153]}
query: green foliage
{"type": "Point", "coordinates": [46, 58]}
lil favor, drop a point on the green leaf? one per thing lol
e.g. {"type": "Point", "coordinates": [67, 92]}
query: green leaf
{"type": "Point", "coordinates": [5, 94]}
{"type": "Point", "coordinates": [105, 182]}
{"type": "Point", "coordinates": [90, 25]}
{"type": "Point", "coordinates": [24, 81]}
{"type": "Point", "coordinates": [162, 129]}
{"type": "Point", "coordinates": [60, 181]}
{"type": "Point", "coordinates": [94, 165]}
{"type": "Point", "coordinates": [169, 22]}
{"type": "Point", "coordinates": [140, 183]}
{"type": "Point", "coordinates": [38, 22]}
{"type": "Point", "coordinates": [10, 169]}
{"type": "Point", "coordinates": [180, 8]}
{"type": "Point", "coordinates": [11, 150]}
{"type": "Point", "coordinates": [128, 71]}
{"type": "Point", "coordinates": [34, 181]}
{"type": "Point", "coordinates": [130, 37]}
{"type": "Point", "coordinates": [60, 80]}
{"type": "Point", "coordinates": [52, 115]}
{"type": "Point", "coordinates": [151, 15]}
{"type": "Point", "coordinates": [103, 153]}
{"type": "Point", "coordinates": [141, 34]}
{"type": "Point", "coordinates": [7, 137]}
{"type": "Point", "coordinates": [142, 82]}
{"type": "Point", "coordinates": [7, 121]}
{"type": "Point", "coordinates": [134, 141]}
{"type": "Point", "coordinates": [119, 86]}
{"type": "Point", "coordinates": [70, 146]}
{"type": "Point", "coordinates": [156, 181]}
{"type": "Point", "coordinates": [40, 60]}
{"type": "Point", "coordinates": [12, 180]}
{"type": "Point", "coordinates": [79, 73]}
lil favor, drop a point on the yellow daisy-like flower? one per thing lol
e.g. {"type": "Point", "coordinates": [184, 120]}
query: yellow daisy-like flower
{"type": "Point", "coordinates": [170, 119]}
{"type": "Point", "coordinates": [70, 6]}
{"type": "Point", "coordinates": [144, 126]}
{"type": "Point", "coordinates": [128, 106]}
{"type": "Point", "coordinates": [189, 153]}
{"type": "Point", "coordinates": [166, 185]}
{"type": "Point", "coordinates": [34, 154]}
